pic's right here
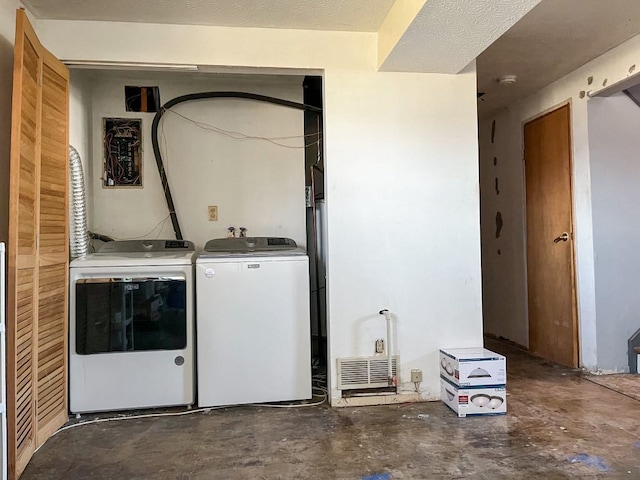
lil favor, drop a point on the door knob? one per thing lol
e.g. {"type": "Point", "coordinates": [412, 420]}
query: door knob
{"type": "Point", "coordinates": [564, 237]}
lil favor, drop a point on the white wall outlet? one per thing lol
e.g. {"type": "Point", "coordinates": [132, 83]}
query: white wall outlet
{"type": "Point", "coordinates": [416, 375]}
{"type": "Point", "coordinates": [379, 345]}
{"type": "Point", "coordinates": [213, 213]}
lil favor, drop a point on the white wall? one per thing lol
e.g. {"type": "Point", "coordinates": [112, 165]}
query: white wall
{"type": "Point", "coordinates": [254, 183]}
{"type": "Point", "coordinates": [80, 131]}
{"type": "Point", "coordinates": [401, 178]}
{"type": "Point", "coordinates": [504, 288]}
{"type": "Point", "coordinates": [614, 149]}
{"type": "Point", "coordinates": [503, 259]}
{"type": "Point", "coordinates": [403, 233]}
{"type": "Point", "coordinates": [202, 45]}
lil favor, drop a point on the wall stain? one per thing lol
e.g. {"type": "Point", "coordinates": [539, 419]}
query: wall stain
{"type": "Point", "coordinates": [498, 224]}
{"type": "Point", "coordinates": [497, 189]}
{"type": "Point", "coordinates": [582, 93]}
{"type": "Point", "coordinates": [604, 83]}
{"type": "Point", "coordinates": [589, 80]}
{"type": "Point", "coordinates": [493, 131]}
{"type": "Point", "coordinates": [632, 68]}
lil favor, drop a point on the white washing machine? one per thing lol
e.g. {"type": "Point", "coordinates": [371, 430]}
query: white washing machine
{"type": "Point", "coordinates": [131, 342]}
{"type": "Point", "coordinates": [254, 339]}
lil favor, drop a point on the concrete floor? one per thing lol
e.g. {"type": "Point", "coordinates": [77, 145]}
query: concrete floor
{"type": "Point", "coordinates": [558, 426]}
{"type": "Point", "coordinates": [620, 382]}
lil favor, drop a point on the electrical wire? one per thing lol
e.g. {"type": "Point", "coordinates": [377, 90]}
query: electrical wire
{"type": "Point", "coordinates": [240, 135]}
{"type": "Point", "coordinates": [129, 100]}
{"type": "Point", "coordinates": [159, 224]}
{"type": "Point", "coordinates": [318, 382]}
{"type": "Point", "coordinates": [197, 97]}
{"type": "Point", "coordinates": [189, 412]}
{"type": "Point", "coordinates": [114, 169]}
{"type": "Point", "coordinates": [298, 405]}
{"type": "Point", "coordinates": [130, 417]}
{"type": "Point", "coordinates": [243, 136]}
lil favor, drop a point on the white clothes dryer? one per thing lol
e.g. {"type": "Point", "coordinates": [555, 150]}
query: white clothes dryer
{"type": "Point", "coordinates": [131, 342]}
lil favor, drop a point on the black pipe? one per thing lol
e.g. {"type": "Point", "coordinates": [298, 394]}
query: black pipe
{"type": "Point", "coordinates": [204, 96]}
{"type": "Point", "coordinates": [99, 236]}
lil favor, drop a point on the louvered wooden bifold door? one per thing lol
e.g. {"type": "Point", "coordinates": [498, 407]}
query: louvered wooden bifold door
{"type": "Point", "coordinates": [37, 251]}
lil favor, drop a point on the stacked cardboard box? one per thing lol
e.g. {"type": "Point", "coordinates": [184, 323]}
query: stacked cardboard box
{"type": "Point", "coordinates": [473, 381]}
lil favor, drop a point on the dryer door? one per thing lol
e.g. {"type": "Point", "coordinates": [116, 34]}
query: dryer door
{"type": "Point", "coordinates": [130, 314]}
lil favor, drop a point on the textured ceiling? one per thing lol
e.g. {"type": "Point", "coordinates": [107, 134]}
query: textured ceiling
{"type": "Point", "coordinates": [552, 40]}
{"type": "Point", "coordinates": [351, 15]}
{"type": "Point", "coordinates": [447, 35]}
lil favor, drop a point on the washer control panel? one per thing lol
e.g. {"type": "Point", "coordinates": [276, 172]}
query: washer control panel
{"type": "Point", "coordinates": [250, 244]}
{"type": "Point", "coordinates": [135, 246]}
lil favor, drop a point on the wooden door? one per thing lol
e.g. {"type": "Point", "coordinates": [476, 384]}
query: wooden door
{"type": "Point", "coordinates": [553, 332]}
{"type": "Point", "coordinates": [37, 251]}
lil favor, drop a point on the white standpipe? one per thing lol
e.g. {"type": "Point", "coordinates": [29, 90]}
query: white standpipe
{"type": "Point", "coordinates": [387, 317]}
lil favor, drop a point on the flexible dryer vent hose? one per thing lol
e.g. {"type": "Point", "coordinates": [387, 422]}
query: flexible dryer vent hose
{"type": "Point", "coordinates": [78, 234]}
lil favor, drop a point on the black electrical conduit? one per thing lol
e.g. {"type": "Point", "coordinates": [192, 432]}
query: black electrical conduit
{"type": "Point", "coordinates": [204, 96]}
